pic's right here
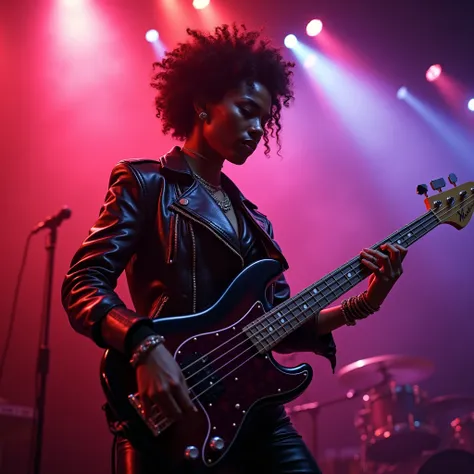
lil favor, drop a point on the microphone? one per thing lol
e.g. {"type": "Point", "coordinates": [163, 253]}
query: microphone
{"type": "Point", "coordinates": [53, 221]}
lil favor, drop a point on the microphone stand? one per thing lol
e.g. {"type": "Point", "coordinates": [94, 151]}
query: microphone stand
{"type": "Point", "coordinates": [42, 367]}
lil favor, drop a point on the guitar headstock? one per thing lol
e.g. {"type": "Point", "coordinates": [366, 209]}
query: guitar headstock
{"type": "Point", "coordinates": [454, 206]}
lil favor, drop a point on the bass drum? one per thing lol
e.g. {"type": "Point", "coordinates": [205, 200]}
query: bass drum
{"type": "Point", "coordinates": [449, 461]}
{"type": "Point", "coordinates": [394, 426]}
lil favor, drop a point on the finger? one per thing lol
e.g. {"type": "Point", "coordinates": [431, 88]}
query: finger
{"type": "Point", "coordinates": [369, 257]}
{"type": "Point", "coordinates": [147, 405]}
{"type": "Point", "coordinates": [403, 251]}
{"type": "Point", "coordinates": [371, 266]}
{"type": "Point", "coordinates": [183, 398]}
{"type": "Point", "coordinates": [395, 256]}
{"type": "Point", "coordinates": [167, 404]}
{"type": "Point", "coordinates": [383, 260]}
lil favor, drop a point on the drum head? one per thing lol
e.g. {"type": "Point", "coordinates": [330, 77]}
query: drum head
{"type": "Point", "coordinates": [453, 461]}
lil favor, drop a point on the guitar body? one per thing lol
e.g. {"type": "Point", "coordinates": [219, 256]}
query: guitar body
{"type": "Point", "coordinates": [226, 374]}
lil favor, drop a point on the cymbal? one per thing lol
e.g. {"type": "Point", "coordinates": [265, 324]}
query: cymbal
{"type": "Point", "coordinates": [451, 402]}
{"type": "Point", "coordinates": [403, 369]}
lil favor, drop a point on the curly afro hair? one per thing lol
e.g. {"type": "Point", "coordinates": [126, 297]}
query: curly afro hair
{"type": "Point", "coordinates": [208, 66]}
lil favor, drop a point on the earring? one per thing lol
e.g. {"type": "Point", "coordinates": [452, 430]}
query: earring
{"type": "Point", "coordinates": [203, 116]}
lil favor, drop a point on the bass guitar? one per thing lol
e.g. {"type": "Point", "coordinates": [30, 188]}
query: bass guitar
{"type": "Point", "coordinates": [229, 346]}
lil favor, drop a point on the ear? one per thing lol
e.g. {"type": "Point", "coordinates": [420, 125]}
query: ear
{"type": "Point", "coordinates": [199, 106]}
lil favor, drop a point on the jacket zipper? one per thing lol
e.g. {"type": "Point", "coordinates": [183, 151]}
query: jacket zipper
{"type": "Point", "coordinates": [193, 238]}
{"type": "Point", "coordinates": [161, 302]}
{"type": "Point", "coordinates": [211, 230]}
{"type": "Point", "coordinates": [173, 244]}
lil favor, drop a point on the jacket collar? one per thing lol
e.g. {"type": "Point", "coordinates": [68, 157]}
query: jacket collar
{"type": "Point", "coordinates": [175, 162]}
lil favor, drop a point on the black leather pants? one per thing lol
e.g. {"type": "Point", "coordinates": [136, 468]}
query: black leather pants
{"type": "Point", "coordinates": [271, 447]}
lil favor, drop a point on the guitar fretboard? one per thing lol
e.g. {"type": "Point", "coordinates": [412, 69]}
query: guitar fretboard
{"type": "Point", "coordinates": [271, 328]}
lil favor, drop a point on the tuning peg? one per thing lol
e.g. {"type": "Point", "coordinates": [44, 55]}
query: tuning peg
{"type": "Point", "coordinates": [438, 184]}
{"type": "Point", "coordinates": [453, 179]}
{"type": "Point", "coordinates": [422, 189]}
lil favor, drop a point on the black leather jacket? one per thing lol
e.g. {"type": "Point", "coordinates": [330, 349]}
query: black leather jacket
{"type": "Point", "coordinates": [178, 249]}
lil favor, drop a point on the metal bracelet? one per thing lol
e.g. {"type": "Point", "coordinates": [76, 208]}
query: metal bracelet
{"type": "Point", "coordinates": [347, 313]}
{"type": "Point", "coordinates": [358, 308]}
{"type": "Point", "coordinates": [145, 347]}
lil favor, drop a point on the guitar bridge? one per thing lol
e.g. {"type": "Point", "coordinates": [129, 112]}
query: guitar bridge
{"type": "Point", "coordinates": [157, 423]}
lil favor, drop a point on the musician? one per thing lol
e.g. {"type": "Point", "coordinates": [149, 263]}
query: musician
{"type": "Point", "coordinates": [182, 231]}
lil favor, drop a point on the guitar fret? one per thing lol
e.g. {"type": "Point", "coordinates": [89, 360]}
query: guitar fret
{"type": "Point", "coordinates": [329, 282]}
{"type": "Point", "coordinates": [284, 320]}
{"type": "Point", "coordinates": [319, 293]}
{"type": "Point", "coordinates": [270, 330]}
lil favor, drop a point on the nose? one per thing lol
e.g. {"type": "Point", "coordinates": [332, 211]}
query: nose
{"type": "Point", "coordinates": [256, 131]}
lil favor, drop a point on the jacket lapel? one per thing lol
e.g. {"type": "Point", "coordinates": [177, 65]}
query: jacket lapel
{"type": "Point", "coordinates": [198, 204]}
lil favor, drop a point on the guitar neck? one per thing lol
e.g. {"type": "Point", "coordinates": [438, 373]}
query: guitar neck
{"type": "Point", "coordinates": [275, 325]}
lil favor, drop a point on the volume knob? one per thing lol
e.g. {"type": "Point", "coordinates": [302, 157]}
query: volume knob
{"type": "Point", "coordinates": [191, 453]}
{"type": "Point", "coordinates": [217, 444]}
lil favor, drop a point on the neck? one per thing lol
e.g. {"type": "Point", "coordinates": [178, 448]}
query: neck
{"type": "Point", "coordinates": [203, 160]}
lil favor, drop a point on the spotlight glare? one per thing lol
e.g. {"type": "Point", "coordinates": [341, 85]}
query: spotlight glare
{"type": "Point", "coordinates": [314, 27]}
{"type": "Point", "coordinates": [200, 4]}
{"type": "Point", "coordinates": [310, 61]}
{"type": "Point", "coordinates": [72, 3]}
{"type": "Point", "coordinates": [291, 41]}
{"type": "Point", "coordinates": [152, 35]}
{"type": "Point", "coordinates": [433, 72]}
{"type": "Point", "coordinates": [402, 93]}
{"type": "Point", "coordinates": [470, 105]}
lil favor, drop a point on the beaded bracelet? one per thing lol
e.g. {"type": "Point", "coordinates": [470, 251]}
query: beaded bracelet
{"type": "Point", "coordinates": [144, 348]}
{"type": "Point", "coordinates": [356, 308]}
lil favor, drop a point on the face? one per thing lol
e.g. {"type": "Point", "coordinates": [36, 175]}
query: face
{"type": "Point", "coordinates": [235, 125]}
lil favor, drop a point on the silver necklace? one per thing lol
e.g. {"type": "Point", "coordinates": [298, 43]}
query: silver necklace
{"type": "Point", "coordinates": [225, 204]}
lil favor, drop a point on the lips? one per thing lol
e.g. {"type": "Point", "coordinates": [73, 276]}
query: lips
{"type": "Point", "coordinates": [251, 144]}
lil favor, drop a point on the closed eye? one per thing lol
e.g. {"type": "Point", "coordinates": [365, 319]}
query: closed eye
{"type": "Point", "coordinates": [245, 112]}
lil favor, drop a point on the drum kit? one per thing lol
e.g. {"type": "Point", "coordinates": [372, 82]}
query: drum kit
{"type": "Point", "coordinates": [400, 429]}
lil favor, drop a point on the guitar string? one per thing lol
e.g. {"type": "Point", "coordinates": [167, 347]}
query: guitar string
{"type": "Point", "coordinates": [358, 272]}
{"type": "Point", "coordinates": [450, 211]}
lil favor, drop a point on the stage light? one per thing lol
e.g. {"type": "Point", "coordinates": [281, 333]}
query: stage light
{"type": "Point", "coordinates": [200, 4]}
{"type": "Point", "coordinates": [151, 36]}
{"type": "Point", "coordinates": [470, 105]}
{"type": "Point", "coordinates": [433, 72]}
{"type": "Point", "coordinates": [314, 27]}
{"type": "Point", "coordinates": [402, 93]}
{"type": "Point", "coordinates": [291, 41]}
